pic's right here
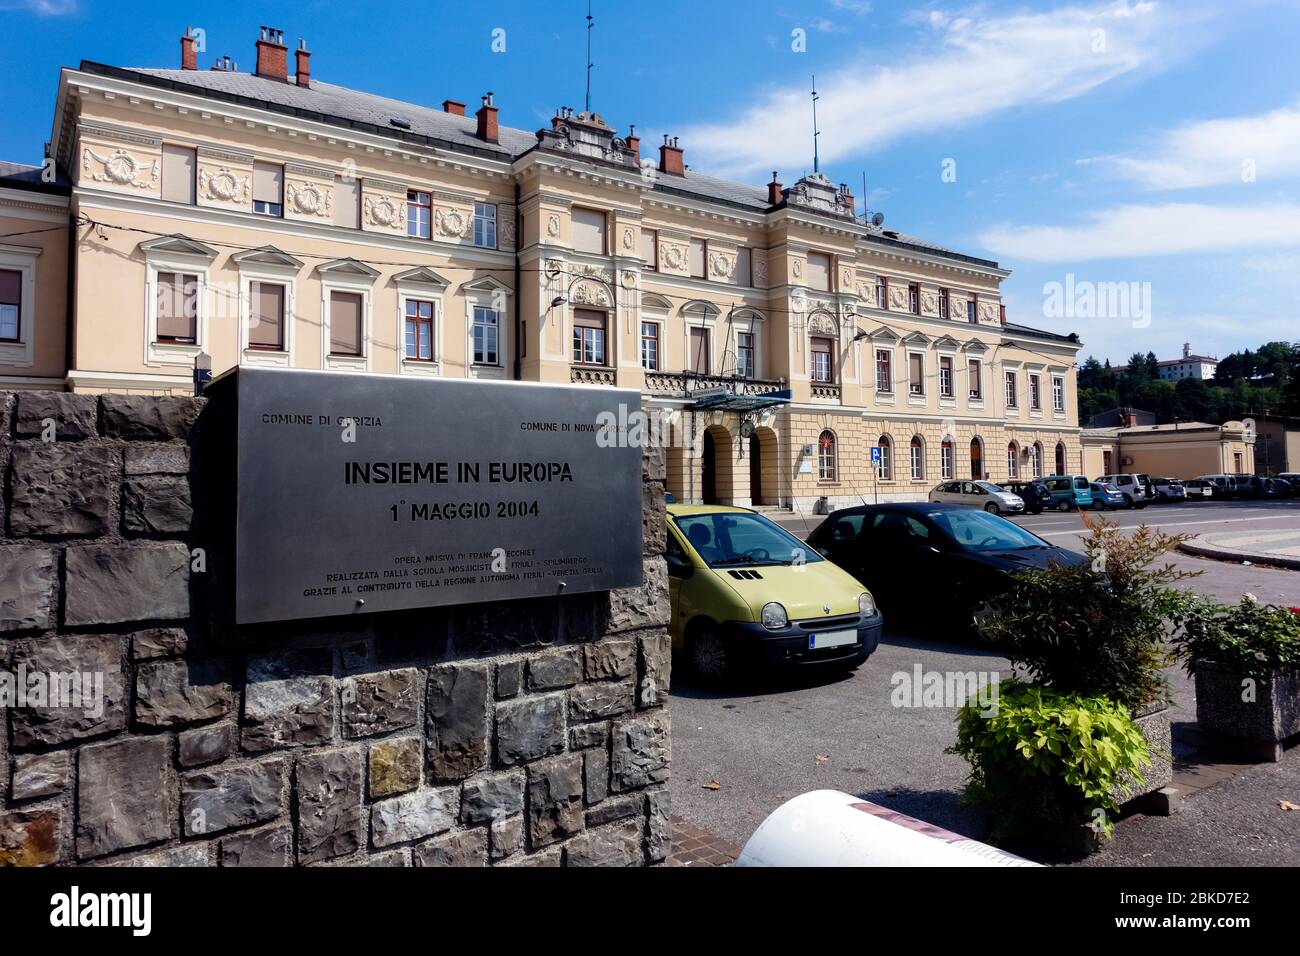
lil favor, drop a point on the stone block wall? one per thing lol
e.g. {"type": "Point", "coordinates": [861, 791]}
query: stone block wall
{"type": "Point", "coordinates": [516, 733]}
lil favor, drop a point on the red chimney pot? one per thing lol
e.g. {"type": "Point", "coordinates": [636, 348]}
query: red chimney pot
{"type": "Point", "coordinates": [189, 51]}
{"type": "Point", "coordinates": [670, 158]}
{"type": "Point", "coordinates": [774, 191]}
{"type": "Point", "coordinates": [487, 120]}
{"type": "Point", "coordinates": [302, 69]}
{"type": "Point", "coordinates": [272, 55]}
{"type": "Point", "coordinates": [454, 107]}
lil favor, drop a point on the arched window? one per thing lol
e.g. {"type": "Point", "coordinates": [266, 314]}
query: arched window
{"type": "Point", "coordinates": [886, 470]}
{"type": "Point", "coordinates": [1013, 461]}
{"type": "Point", "coordinates": [976, 459]}
{"type": "Point", "coordinates": [826, 455]}
{"type": "Point", "coordinates": [945, 460]}
{"type": "Point", "coordinates": [1060, 458]}
{"type": "Point", "coordinates": [1036, 454]}
{"type": "Point", "coordinates": [918, 458]}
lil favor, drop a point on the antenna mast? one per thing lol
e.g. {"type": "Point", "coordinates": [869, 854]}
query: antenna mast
{"type": "Point", "coordinates": [816, 155]}
{"type": "Point", "coordinates": [589, 63]}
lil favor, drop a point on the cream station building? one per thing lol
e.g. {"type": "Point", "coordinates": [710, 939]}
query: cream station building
{"type": "Point", "coordinates": [271, 218]}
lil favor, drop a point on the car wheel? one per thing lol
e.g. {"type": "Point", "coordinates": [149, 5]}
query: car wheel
{"type": "Point", "coordinates": [992, 508]}
{"type": "Point", "coordinates": [1062, 505]}
{"type": "Point", "coordinates": [1098, 505]}
{"type": "Point", "coordinates": [708, 653]}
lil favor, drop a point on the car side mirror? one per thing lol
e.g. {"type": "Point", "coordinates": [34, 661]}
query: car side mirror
{"type": "Point", "coordinates": [824, 552]}
{"type": "Point", "coordinates": [679, 567]}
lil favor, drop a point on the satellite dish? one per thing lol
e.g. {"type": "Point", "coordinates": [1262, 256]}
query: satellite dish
{"type": "Point", "coordinates": [878, 219]}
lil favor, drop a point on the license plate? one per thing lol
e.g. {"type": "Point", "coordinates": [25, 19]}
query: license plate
{"type": "Point", "coordinates": [817, 642]}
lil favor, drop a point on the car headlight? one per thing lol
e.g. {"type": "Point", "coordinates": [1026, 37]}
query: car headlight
{"type": "Point", "coordinates": [774, 616]}
{"type": "Point", "coordinates": [866, 604]}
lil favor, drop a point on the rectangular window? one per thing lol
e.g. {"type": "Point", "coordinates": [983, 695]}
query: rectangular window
{"type": "Point", "coordinates": [266, 316]}
{"type": "Point", "coordinates": [698, 249]}
{"type": "Point", "coordinates": [945, 376]}
{"type": "Point", "coordinates": [345, 323]}
{"type": "Point", "coordinates": [588, 230]}
{"type": "Point", "coordinates": [650, 346]}
{"type": "Point", "coordinates": [819, 271]}
{"type": "Point", "coordinates": [11, 304]}
{"type": "Point", "coordinates": [178, 168]}
{"type": "Point", "coordinates": [1058, 393]}
{"type": "Point", "coordinates": [744, 267]}
{"type": "Point", "coordinates": [972, 310]}
{"type": "Point", "coordinates": [975, 373]}
{"type": "Point", "coordinates": [485, 225]}
{"type": "Point", "coordinates": [916, 373]}
{"type": "Point", "coordinates": [1002, 314]}
{"type": "Point", "coordinates": [914, 299]}
{"type": "Point", "coordinates": [485, 331]}
{"type": "Point", "coordinates": [943, 303]}
{"type": "Point", "coordinates": [419, 330]}
{"type": "Point", "coordinates": [822, 366]}
{"type": "Point", "coordinates": [745, 354]}
{"type": "Point", "coordinates": [178, 307]}
{"type": "Point", "coordinates": [882, 292]}
{"type": "Point", "coordinates": [588, 337]}
{"type": "Point", "coordinates": [1035, 393]}
{"type": "Point", "coordinates": [917, 461]}
{"type": "Point", "coordinates": [945, 460]}
{"type": "Point", "coordinates": [268, 189]}
{"type": "Point", "coordinates": [699, 357]}
{"type": "Point", "coordinates": [419, 214]}
{"type": "Point", "coordinates": [347, 202]}
{"type": "Point", "coordinates": [1011, 389]}
{"type": "Point", "coordinates": [650, 249]}
{"type": "Point", "coordinates": [884, 372]}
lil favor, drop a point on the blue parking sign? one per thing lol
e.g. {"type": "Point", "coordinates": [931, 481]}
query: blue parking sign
{"type": "Point", "coordinates": [875, 455]}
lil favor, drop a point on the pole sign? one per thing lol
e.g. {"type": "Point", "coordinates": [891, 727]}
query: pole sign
{"type": "Point", "coordinates": [875, 456]}
{"type": "Point", "coordinates": [360, 493]}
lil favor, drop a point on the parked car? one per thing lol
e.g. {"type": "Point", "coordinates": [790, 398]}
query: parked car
{"type": "Point", "coordinates": [670, 498]}
{"type": "Point", "coordinates": [1290, 486]}
{"type": "Point", "coordinates": [1033, 493]}
{"type": "Point", "coordinates": [978, 494]}
{"type": "Point", "coordinates": [1069, 491]}
{"type": "Point", "coordinates": [1225, 486]}
{"type": "Point", "coordinates": [1249, 486]}
{"type": "Point", "coordinates": [910, 553]}
{"type": "Point", "coordinates": [746, 592]}
{"type": "Point", "coordinates": [1168, 489]}
{"type": "Point", "coordinates": [1198, 489]}
{"type": "Point", "coordinates": [1130, 486]}
{"type": "Point", "coordinates": [1292, 478]}
{"type": "Point", "coordinates": [1274, 488]}
{"type": "Point", "coordinates": [1106, 495]}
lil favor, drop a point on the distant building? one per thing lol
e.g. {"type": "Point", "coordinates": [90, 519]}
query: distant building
{"type": "Point", "coordinates": [1189, 366]}
{"type": "Point", "coordinates": [1121, 417]}
{"type": "Point", "coordinates": [1277, 444]}
{"type": "Point", "coordinates": [1182, 450]}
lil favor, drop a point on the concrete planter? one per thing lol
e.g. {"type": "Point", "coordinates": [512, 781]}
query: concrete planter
{"type": "Point", "coordinates": [1155, 727]}
{"type": "Point", "coordinates": [1258, 726]}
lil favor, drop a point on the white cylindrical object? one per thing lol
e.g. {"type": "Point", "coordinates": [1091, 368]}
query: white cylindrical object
{"type": "Point", "coordinates": [831, 828]}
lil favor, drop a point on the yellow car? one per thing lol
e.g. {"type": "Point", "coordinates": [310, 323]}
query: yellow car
{"type": "Point", "coordinates": [744, 591]}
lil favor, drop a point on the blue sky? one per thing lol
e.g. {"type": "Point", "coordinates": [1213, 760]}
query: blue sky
{"type": "Point", "coordinates": [1155, 143]}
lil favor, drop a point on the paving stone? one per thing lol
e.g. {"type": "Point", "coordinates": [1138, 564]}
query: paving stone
{"type": "Point", "coordinates": [62, 489]}
{"type": "Point", "coordinates": [395, 766]}
{"type": "Point", "coordinates": [466, 848]}
{"type": "Point", "coordinates": [328, 786]}
{"type": "Point", "coordinates": [230, 798]}
{"type": "Point", "coordinates": [110, 583]}
{"type": "Point", "coordinates": [173, 692]}
{"type": "Point", "coordinates": [125, 795]}
{"type": "Point", "coordinates": [27, 577]}
{"type": "Point", "coordinates": [620, 846]}
{"type": "Point", "coordinates": [412, 817]}
{"type": "Point", "coordinates": [273, 847]}
{"type": "Point", "coordinates": [74, 416]}
{"type": "Point", "coordinates": [155, 642]}
{"type": "Point", "coordinates": [558, 668]}
{"type": "Point", "coordinates": [41, 775]}
{"type": "Point", "coordinates": [148, 418]}
{"type": "Point", "coordinates": [602, 699]}
{"type": "Point", "coordinates": [554, 799]}
{"type": "Point", "coordinates": [457, 719]}
{"type": "Point", "coordinates": [84, 670]}
{"type": "Point", "coordinates": [205, 745]}
{"type": "Point", "coordinates": [640, 752]}
{"type": "Point", "coordinates": [288, 700]}
{"type": "Point", "coordinates": [30, 838]}
{"type": "Point", "coordinates": [157, 504]}
{"type": "Point", "coordinates": [529, 728]}
{"type": "Point", "coordinates": [380, 703]}
{"type": "Point", "coordinates": [491, 797]}
{"type": "Point", "coordinates": [172, 458]}
{"type": "Point", "coordinates": [610, 659]}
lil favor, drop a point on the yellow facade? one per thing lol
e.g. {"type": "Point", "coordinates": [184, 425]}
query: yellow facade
{"type": "Point", "coordinates": [1187, 450]}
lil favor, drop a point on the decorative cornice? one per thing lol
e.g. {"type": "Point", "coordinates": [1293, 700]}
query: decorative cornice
{"type": "Point", "coordinates": [224, 154]}
{"type": "Point", "coordinates": [118, 134]}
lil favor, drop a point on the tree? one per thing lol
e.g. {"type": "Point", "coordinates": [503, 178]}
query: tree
{"type": "Point", "coordinates": [1193, 401]}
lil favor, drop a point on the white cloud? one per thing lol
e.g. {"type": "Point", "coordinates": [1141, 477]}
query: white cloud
{"type": "Point", "coordinates": [42, 8]}
{"type": "Point", "coordinates": [966, 67]}
{"type": "Point", "coordinates": [859, 7]}
{"type": "Point", "coordinates": [1138, 231]}
{"type": "Point", "coordinates": [1217, 151]}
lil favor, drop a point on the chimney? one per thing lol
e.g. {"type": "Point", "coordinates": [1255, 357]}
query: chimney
{"type": "Point", "coordinates": [189, 50]}
{"type": "Point", "coordinates": [272, 55]}
{"type": "Point", "coordinates": [846, 199]}
{"type": "Point", "coordinates": [774, 191]}
{"type": "Point", "coordinates": [670, 157]}
{"type": "Point", "coordinates": [634, 143]}
{"type": "Point", "coordinates": [454, 107]}
{"type": "Point", "coordinates": [302, 69]}
{"type": "Point", "coordinates": [487, 120]}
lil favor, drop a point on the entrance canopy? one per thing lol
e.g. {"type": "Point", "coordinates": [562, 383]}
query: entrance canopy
{"type": "Point", "coordinates": [722, 399]}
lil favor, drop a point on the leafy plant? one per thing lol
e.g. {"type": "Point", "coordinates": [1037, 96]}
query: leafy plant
{"type": "Point", "coordinates": [1098, 628]}
{"type": "Point", "coordinates": [1249, 637]}
{"type": "Point", "coordinates": [1044, 751]}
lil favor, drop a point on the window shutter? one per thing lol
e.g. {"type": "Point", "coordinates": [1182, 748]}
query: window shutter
{"type": "Point", "coordinates": [177, 306]}
{"type": "Point", "coordinates": [588, 230]}
{"type": "Point", "coordinates": [11, 283]}
{"type": "Point", "coordinates": [588, 319]}
{"type": "Point", "coordinates": [347, 203]}
{"type": "Point", "coordinates": [697, 258]}
{"type": "Point", "coordinates": [266, 323]}
{"type": "Point", "coordinates": [178, 165]}
{"type": "Point", "coordinates": [699, 357]}
{"type": "Point", "coordinates": [649, 251]}
{"type": "Point", "coordinates": [268, 183]}
{"type": "Point", "coordinates": [345, 323]}
{"type": "Point", "coordinates": [744, 271]}
{"type": "Point", "coordinates": [819, 271]}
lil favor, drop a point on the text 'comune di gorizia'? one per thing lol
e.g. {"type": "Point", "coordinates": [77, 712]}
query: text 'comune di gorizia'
{"type": "Point", "coordinates": [461, 472]}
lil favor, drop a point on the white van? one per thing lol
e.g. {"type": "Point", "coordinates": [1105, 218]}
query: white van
{"type": "Point", "coordinates": [1130, 486]}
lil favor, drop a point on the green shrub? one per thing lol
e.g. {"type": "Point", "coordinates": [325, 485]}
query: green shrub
{"type": "Point", "coordinates": [1249, 637]}
{"type": "Point", "coordinates": [1097, 629]}
{"type": "Point", "coordinates": [1044, 752]}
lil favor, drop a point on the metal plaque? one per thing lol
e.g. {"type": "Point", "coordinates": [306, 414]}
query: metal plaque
{"type": "Point", "coordinates": [360, 493]}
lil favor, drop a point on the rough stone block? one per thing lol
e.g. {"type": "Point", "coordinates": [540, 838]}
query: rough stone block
{"type": "Point", "coordinates": [558, 668]}
{"type": "Point", "coordinates": [640, 752]}
{"type": "Point", "coordinates": [618, 846]}
{"type": "Point", "coordinates": [109, 583]}
{"type": "Point", "coordinates": [606, 660]}
{"type": "Point", "coordinates": [30, 838]}
{"type": "Point", "coordinates": [126, 795]}
{"type": "Point", "coordinates": [41, 775]}
{"type": "Point", "coordinates": [589, 735]}
{"type": "Point", "coordinates": [654, 459]}
{"type": "Point", "coordinates": [458, 720]}
{"type": "Point", "coordinates": [595, 775]}
{"type": "Point", "coordinates": [644, 606]}
{"type": "Point", "coordinates": [659, 830]}
{"type": "Point", "coordinates": [61, 489]}
{"type": "Point", "coordinates": [156, 642]}
{"type": "Point", "coordinates": [164, 459]}
{"type": "Point", "coordinates": [466, 848]}
{"type": "Point", "coordinates": [273, 847]}
{"type": "Point", "coordinates": [173, 692]}
{"type": "Point", "coordinates": [27, 577]}
{"type": "Point", "coordinates": [288, 700]}
{"type": "Point", "coordinates": [601, 699]}
{"type": "Point", "coordinates": [656, 669]}
{"type": "Point", "coordinates": [551, 857]}
{"type": "Point", "coordinates": [554, 799]}
{"type": "Point", "coordinates": [186, 856]}
{"type": "Point", "coordinates": [654, 508]}
{"type": "Point", "coordinates": [529, 728]}
{"type": "Point", "coordinates": [510, 678]}
{"type": "Point", "coordinates": [491, 797]}
{"type": "Point", "coordinates": [205, 745]}
{"type": "Point", "coordinates": [395, 766]}
{"type": "Point", "coordinates": [74, 416]}
{"type": "Point", "coordinates": [157, 504]}
{"type": "Point", "coordinates": [380, 703]}
{"type": "Point", "coordinates": [81, 671]}
{"type": "Point", "coordinates": [329, 805]}
{"type": "Point", "coordinates": [506, 836]}
{"type": "Point", "coordinates": [399, 857]}
{"type": "Point", "coordinates": [227, 799]}
{"type": "Point", "coordinates": [412, 817]}
{"type": "Point", "coordinates": [148, 418]}
{"type": "Point", "coordinates": [616, 808]}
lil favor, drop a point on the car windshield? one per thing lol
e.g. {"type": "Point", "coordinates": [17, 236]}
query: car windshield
{"type": "Point", "coordinates": [981, 531]}
{"type": "Point", "coordinates": [737, 539]}
{"type": "Point", "coordinates": [991, 488]}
